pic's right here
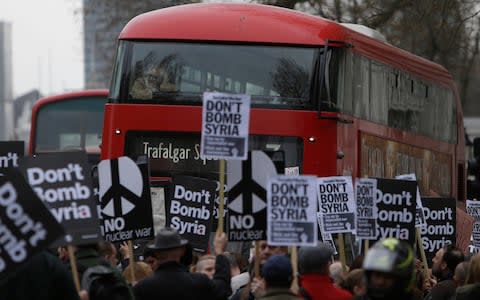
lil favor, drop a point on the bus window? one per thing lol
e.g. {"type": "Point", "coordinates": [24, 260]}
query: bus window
{"type": "Point", "coordinates": [71, 121]}
{"type": "Point", "coordinates": [273, 75]}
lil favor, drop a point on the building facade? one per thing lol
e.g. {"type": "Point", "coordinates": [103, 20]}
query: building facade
{"type": "Point", "coordinates": [6, 82]}
{"type": "Point", "coordinates": [102, 22]}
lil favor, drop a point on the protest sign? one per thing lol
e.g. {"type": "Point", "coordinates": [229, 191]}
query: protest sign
{"type": "Point", "coordinates": [367, 212]}
{"type": "Point", "coordinates": [439, 230]}
{"type": "Point", "coordinates": [225, 120]}
{"type": "Point", "coordinates": [63, 182]}
{"type": "Point", "coordinates": [159, 192]}
{"type": "Point", "coordinates": [125, 199]}
{"type": "Point", "coordinates": [247, 197]}
{"type": "Point", "coordinates": [292, 211]}
{"type": "Point", "coordinates": [190, 209]}
{"type": "Point", "coordinates": [336, 203]}
{"type": "Point", "coordinates": [325, 237]}
{"type": "Point", "coordinates": [472, 250]}
{"type": "Point", "coordinates": [216, 205]}
{"type": "Point", "coordinates": [26, 226]}
{"type": "Point", "coordinates": [473, 210]}
{"type": "Point", "coordinates": [419, 214]}
{"type": "Point", "coordinates": [10, 153]}
{"type": "Point", "coordinates": [464, 229]}
{"type": "Point", "coordinates": [396, 209]}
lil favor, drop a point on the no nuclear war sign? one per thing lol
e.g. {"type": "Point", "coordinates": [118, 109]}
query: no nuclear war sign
{"type": "Point", "coordinates": [247, 214]}
{"type": "Point", "coordinates": [125, 202]}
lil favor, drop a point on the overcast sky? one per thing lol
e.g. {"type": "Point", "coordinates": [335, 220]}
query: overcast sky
{"type": "Point", "coordinates": [47, 45]}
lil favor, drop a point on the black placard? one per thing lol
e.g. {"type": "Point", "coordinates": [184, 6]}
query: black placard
{"type": "Point", "coordinates": [440, 217]}
{"type": "Point", "coordinates": [190, 209]}
{"type": "Point", "coordinates": [26, 226]}
{"type": "Point", "coordinates": [396, 209]}
{"type": "Point", "coordinates": [125, 199]}
{"type": "Point", "coordinates": [10, 154]}
{"type": "Point", "coordinates": [63, 182]}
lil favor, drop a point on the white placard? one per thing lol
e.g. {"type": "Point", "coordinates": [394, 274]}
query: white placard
{"type": "Point", "coordinates": [292, 211]}
{"type": "Point", "coordinates": [336, 203]}
{"type": "Point", "coordinates": [225, 120]}
{"type": "Point", "coordinates": [367, 211]}
{"type": "Point", "coordinates": [473, 209]}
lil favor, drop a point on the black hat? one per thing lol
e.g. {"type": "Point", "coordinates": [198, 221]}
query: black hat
{"type": "Point", "coordinates": [314, 259]}
{"type": "Point", "coordinates": [167, 238]}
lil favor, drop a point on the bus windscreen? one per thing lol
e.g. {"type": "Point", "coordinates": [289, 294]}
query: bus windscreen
{"type": "Point", "coordinates": [75, 124]}
{"type": "Point", "coordinates": [277, 76]}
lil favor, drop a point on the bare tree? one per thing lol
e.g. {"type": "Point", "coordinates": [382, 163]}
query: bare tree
{"type": "Point", "coordinates": [445, 31]}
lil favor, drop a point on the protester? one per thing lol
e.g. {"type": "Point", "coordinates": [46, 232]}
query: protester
{"type": "Point", "coordinates": [390, 271]}
{"type": "Point", "coordinates": [88, 256]}
{"type": "Point", "coordinates": [355, 282]}
{"type": "Point", "coordinates": [471, 289]}
{"type": "Point", "coordinates": [171, 279]}
{"type": "Point", "coordinates": [267, 250]}
{"type": "Point", "coordinates": [240, 276]}
{"type": "Point", "coordinates": [206, 265]}
{"type": "Point", "coordinates": [461, 272]}
{"type": "Point", "coordinates": [124, 255]}
{"type": "Point", "coordinates": [357, 262]}
{"type": "Point", "coordinates": [141, 271]}
{"type": "Point", "coordinates": [150, 258]}
{"type": "Point", "coordinates": [443, 266]}
{"type": "Point", "coordinates": [62, 253]}
{"type": "Point", "coordinates": [44, 277]}
{"type": "Point", "coordinates": [108, 251]}
{"type": "Point", "coordinates": [277, 275]}
{"type": "Point", "coordinates": [422, 284]}
{"type": "Point", "coordinates": [314, 280]}
{"type": "Point", "coordinates": [337, 273]}
{"type": "Point", "coordinates": [257, 286]}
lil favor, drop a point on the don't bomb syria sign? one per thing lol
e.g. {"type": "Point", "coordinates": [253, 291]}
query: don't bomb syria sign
{"type": "Point", "coordinates": [396, 204]}
{"type": "Point", "coordinates": [26, 226]}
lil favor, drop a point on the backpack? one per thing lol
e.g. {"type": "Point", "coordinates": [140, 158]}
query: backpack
{"type": "Point", "coordinates": [101, 283]}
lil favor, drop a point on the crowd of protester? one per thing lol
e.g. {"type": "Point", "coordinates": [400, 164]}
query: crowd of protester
{"type": "Point", "coordinates": [170, 269]}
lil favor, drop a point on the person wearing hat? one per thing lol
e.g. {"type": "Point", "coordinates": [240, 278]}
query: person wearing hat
{"type": "Point", "coordinates": [278, 275]}
{"type": "Point", "coordinates": [314, 280]}
{"type": "Point", "coordinates": [171, 279]}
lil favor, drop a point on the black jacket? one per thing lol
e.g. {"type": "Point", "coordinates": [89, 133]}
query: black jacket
{"type": "Point", "coordinates": [443, 290]}
{"type": "Point", "coordinates": [44, 277]}
{"type": "Point", "coordinates": [468, 292]}
{"type": "Point", "coordinates": [171, 280]}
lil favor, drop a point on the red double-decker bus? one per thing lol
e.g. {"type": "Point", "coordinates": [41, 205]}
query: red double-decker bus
{"type": "Point", "coordinates": [331, 100]}
{"type": "Point", "coordinates": [69, 121]}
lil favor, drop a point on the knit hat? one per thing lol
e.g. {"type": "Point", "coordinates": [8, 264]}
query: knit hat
{"type": "Point", "coordinates": [314, 259]}
{"type": "Point", "coordinates": [277, 271]}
